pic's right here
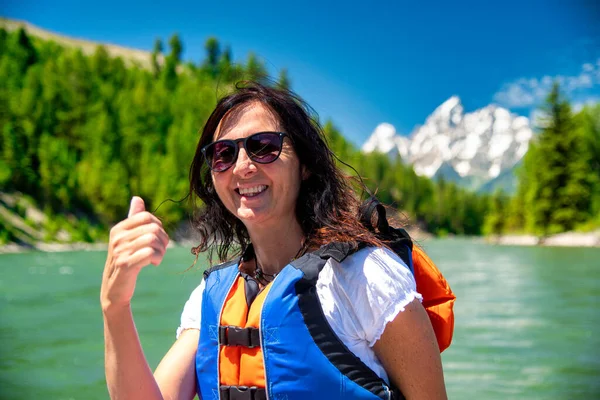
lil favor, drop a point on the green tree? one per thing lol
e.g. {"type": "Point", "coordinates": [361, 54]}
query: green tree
{"type": "Point", "coordinates": [176, 48]}
{"type": "Point", "coordinates": [559, 194]}
{"type": "Point", "coordinates": [156, 56]}
{"type": "Point", "coordinates": [284, 80]}
{"type": "Point", "coordinates": [170, 76]}
{"type": "Point", "coordinates": [23, 50]}
{"type": "Point", "coordinates": [255, 69]}
{"type": "Point", "coordinates": [588, 124]}
{"type": "Point", "coordinates": [496, 218]}
{"type": "Point", "coordinates": [213, 53]}
{"type": "Point", "coordinates": [57, 161]}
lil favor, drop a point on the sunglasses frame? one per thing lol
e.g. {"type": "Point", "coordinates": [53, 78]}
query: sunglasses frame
{"type": "Point", "coordinates": [244, 141]}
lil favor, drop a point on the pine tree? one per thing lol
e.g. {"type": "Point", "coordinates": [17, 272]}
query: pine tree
{"type": "Point", "coordinates": [588, 128]}
{"type": "Point", "coordinates": [496, 217]}
{"type": "Point", "coordinates": [559, 192]}
{"type": "Point", "coordinates": [284, 80]}
{"type": "Point", "coordinates": [170, 77]}
{"type": "Point", "coordinates": [156, 55]}
{"type": "Point", "coordinates": [176, 48]}
{"type": "Point", "coordinates": [23, 50]}
{"type": "Point", "coordinates": [213, 53]}
{"type": "Point", "coordinates": [255, 69]}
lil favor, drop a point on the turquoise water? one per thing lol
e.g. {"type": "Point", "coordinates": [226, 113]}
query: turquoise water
{"type": "Point", "coordinates": [527, 320]}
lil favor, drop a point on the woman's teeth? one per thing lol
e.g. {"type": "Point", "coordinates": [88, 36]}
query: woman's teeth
{"type": "Point", "coordinates": [252, 191]}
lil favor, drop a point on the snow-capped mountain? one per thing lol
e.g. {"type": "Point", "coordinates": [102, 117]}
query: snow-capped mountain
{"type": "Point", "coordinates": [475, 147]}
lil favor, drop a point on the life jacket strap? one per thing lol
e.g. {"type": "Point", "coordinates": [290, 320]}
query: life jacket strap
{"type": "Point", "coordinates": [237, 336]}
{"type": "Point", "coordinates": [242, 393]}
{"type": "Point", "coordinates": [336, 250]}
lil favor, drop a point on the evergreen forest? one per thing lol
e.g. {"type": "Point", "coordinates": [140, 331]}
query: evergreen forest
{"type": "Point", "coordinates": [82, 133]}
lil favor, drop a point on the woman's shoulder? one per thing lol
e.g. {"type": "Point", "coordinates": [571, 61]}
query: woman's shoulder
{"type": "Point", "coordinates": [371, 257]}
{"type": "Point", "coordinates": [370, 268]}
{"type": "Point", "coordinates": [370, 287]}
{"type": "Point", "coordinates": [227, 264]}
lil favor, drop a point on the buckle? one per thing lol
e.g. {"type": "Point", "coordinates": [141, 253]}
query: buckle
{"type": "Point", "coordinates": [242, 393]}
{"type": "Point", "coordinates": [236, 336]}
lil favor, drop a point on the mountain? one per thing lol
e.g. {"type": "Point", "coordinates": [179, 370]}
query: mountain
{"type": "Point", "coordinates": [474, 148]}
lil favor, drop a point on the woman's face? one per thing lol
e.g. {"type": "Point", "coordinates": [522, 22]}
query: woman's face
{"type": "Point", "coordinates": [256, 193]}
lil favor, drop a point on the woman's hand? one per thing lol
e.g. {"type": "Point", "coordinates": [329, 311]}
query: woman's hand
{"type": "Point", "coordinates": [134, 243]}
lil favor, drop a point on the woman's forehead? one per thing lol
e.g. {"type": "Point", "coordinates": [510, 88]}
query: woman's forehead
{"type": "Point", "coordinates": [245, 120]}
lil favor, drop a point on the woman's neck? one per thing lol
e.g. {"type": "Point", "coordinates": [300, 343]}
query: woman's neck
{"type": "Point", "coordinates": [276, 246]}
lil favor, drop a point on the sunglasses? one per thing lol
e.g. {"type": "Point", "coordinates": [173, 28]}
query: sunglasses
{"type": "Point", "coordinates": [261, 147]}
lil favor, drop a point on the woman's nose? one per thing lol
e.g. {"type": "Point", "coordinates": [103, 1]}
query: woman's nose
{"type": "Point", "coordinates": [243, 165]}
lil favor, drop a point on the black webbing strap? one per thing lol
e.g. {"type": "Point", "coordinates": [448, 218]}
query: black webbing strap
{"type": "Point", "coordinates": [366, 211]}
{"type": "Point", "coordinates": [236, 336]}
{"type": "Point", "coordinates": [242, 393]}
{"type": "Point", "coordinates": [251, 288]}
{"type": "Point", "coordinates": [336, 250]}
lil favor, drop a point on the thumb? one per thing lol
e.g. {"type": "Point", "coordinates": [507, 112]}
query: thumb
{"type": "Point", "coordinates": [136, 206]}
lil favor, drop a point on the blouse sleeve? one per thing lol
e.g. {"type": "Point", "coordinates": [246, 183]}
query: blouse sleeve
{"type": "Point", "coordinates": [190, 317]}
{"type": "Point", "coordinates": [380, 286]}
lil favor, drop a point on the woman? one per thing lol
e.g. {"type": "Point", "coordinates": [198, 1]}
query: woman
{"type": "Point", "coordinates": [343, 326]}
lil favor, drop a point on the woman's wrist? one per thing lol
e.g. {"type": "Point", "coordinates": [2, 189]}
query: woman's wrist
{"type": "Point", "coordinates": [114, 310]}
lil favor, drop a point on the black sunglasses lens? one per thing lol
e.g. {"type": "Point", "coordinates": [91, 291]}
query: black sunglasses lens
{"type": "Point", "coordinates": [221, 155]}
{"type": "Point", "coordinates": [264, 148]}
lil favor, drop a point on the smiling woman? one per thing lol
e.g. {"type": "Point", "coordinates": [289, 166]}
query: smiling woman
{"type": "Point", "coordinates": [258, 184]}
{"type": "Point", "coordinates": [307, 300]}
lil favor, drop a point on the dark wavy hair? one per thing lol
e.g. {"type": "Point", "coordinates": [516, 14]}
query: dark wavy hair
{"type": "Point", "coordinates": [327, 205]}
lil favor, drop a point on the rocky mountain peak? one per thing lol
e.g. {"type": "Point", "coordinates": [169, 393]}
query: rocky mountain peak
{"type": "Point", "coordinates": [476, 147]}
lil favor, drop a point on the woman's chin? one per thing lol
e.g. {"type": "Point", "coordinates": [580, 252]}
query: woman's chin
{"type": "Point", "coordinates": [248, 215]}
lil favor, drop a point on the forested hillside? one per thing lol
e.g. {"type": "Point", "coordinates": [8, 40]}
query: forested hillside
{"type": "Point", "coordinates": [81, 134]}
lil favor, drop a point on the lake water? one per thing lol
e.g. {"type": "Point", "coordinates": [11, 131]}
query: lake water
{"type": "Point", "coordinates": [527, 320]}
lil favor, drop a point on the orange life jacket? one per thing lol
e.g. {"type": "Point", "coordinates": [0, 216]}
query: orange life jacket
{"type": "Point", "coordinates": [240, 365]}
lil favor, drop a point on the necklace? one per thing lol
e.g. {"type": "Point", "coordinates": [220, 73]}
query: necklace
{"type": "Point", "coordinates": [265, 278]}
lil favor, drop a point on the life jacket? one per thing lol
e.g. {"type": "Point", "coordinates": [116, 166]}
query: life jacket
{"type": "Point", "coordinates": [285, 349]}
{"type": "Point", "coordinates": [277, 344]}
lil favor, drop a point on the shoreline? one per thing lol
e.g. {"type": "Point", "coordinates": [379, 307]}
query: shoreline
{"type": "Point", "coordinates": [12, 248]}
{"type": "Point", "coordinates": [566, 239]}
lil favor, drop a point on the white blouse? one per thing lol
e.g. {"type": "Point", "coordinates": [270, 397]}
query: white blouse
{"type": "Point", "coordinates": [359, 297]}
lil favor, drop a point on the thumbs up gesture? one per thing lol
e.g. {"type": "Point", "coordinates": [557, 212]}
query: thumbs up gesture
{"type": "Point", "coordinates": [137, 241]}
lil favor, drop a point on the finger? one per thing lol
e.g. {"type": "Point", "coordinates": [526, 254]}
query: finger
{"type": "Point", "coordinates": [154, 256]}
{"type": "Point", "coordinates": [136, 206]}
{"type": "Point", "coordinates": [157, 258]}
{"type": "Point", "coordinates": [146, 250]}
{"type": "Point", "coordinates": [128, 224]}
{"type": "Point", "coordinates": [141, 218]}
{"type": "Point", "coordinates": [142, 258]}
{"type": "Point", "coordinates": [148, 240]}
{"type": "Point", "coordinates": [125, 238]}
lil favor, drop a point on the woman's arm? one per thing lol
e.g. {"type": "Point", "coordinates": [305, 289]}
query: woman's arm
{"type": "Point", "coordinates": [134, 243]}
{"type": "Point", "coordinates": [409, 352]}
{"type": "Point", "coordinates": [176, 373]}
{"type": "Point", "coordinates": [128, 373]}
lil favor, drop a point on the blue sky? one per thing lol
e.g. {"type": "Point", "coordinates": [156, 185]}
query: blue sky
{"type": "Point", "coordinates": [361, 64]}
